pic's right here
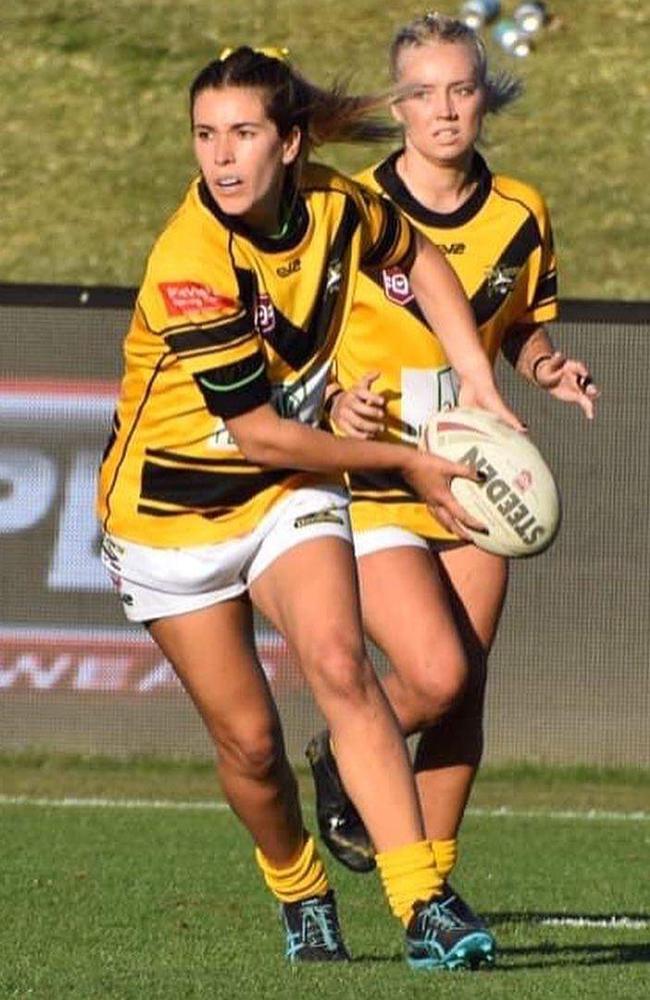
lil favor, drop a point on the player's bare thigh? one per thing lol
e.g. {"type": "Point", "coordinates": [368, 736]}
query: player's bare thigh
{"type": "Point", "coordinates": [479, 581]}
{"type": "Point", "coordinates": [310, 594]}
{"type": "Point", "coordinates": [213, 653]}
{"type": "Point", "coordinates": [406, 611]}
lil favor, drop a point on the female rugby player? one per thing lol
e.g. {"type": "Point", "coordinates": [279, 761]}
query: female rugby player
{"type": "Point", "coordinates": [430, 600]}
{"type": "Point", "coordinates": [217, 488]}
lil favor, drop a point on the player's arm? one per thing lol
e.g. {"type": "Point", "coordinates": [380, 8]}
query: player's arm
{"type": "Point", "coordinates": [527, 344]}
{"type": "Point", "coordinates": [530, 351]}
{"type": "Point", "coordinates": [442, 299]}
{"type": "Point", "coordinates": [267, 439]}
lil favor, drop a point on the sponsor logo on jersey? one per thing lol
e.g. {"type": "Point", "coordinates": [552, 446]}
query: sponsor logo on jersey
{"type": "Point", "coordinates": [500, 280]}
{"type": "Point", "coordinates": [334, 275]}
{"type": "Point", "coordinates": [396, 286]}
{"type": "Point", "coordinates": [288, 269]}
{"type": "Point", "coordinates": [182, 297]}
{"type": "Point", "coordinates": [328, 516]}
{"type": "Point", "coordinates": [264, 314]}
{"type": "Point", "coordinates": [302, 399]}
{"type": "Point", "coordinates": [504, 499]}
{"type": "Point", "coordinates": [451, 248]}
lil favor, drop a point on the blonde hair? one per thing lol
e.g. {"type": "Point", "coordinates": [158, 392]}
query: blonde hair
{"type": "Point", "coordinates": [500, 88]}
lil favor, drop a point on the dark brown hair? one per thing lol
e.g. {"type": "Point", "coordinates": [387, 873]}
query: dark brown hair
{"type": "Point", "coordinates": [292, 101]}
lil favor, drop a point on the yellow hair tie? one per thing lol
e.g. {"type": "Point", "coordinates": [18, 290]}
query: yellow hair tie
{"type": "Point", "coordinates": [269, 51]}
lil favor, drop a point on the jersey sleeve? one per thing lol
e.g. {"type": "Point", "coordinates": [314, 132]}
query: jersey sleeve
{"type": "Point", "coordinates": [207, 324]}
{"type": "Point", "coordinates": [388, 238]}
{"type": "Point", "coordinates": [542, 285]}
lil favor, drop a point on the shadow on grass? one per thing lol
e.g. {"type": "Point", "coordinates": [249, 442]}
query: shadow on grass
{"type": "Point", "coordinates": [543, 956]}
{"type": "Point", "coordinates": [548, 953]}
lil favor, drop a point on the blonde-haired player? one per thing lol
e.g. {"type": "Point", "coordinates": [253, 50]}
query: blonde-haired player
{"type": "Point", "coordinates": [431, 601]}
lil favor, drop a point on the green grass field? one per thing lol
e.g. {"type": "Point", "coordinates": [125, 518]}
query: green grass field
{"type": "Point", "coordinates": [162, 901]}
{"type": "Point", "coordinates": [96, 146]}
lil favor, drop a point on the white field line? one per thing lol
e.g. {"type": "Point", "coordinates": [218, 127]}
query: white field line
{"type": "Point", "coordinates": [570, 814]}
{"type": "Point", "coordinates": [504, 812]}
{"type": "Point", "coordinates": [96, 803]}
{"type": "Point", "coordinates": [616, 923]}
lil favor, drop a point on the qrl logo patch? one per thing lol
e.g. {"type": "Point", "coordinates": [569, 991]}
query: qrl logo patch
{"type": "Point", "coordinates": [190, 296]}
{"type": "Point", "coordinates": [396, 286]}
{"type": "Point", "coordinates": [264, 314]}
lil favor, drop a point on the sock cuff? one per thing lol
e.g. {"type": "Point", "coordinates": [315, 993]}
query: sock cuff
{"type": "Point", "coordinates": [304, 878]}
{"type": "Point", "coordinates": [409, 875]}
{"type": "Point", "coordinates": [445, 853]}
{"type": "Point", "coordinates": [296, 868]}
{"type": "Point", "coordinates": [399, 859]}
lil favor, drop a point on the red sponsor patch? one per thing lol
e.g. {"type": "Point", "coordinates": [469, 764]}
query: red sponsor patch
{"type": "Point", "coordinates": [190, 296]}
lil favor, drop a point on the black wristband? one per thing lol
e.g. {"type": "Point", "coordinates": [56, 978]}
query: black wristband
{"type": "Point", "coordinates": [536, 363]}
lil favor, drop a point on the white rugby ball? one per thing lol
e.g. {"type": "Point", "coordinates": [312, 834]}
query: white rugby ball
{"type": "Point", "coordinates": [519, 502]}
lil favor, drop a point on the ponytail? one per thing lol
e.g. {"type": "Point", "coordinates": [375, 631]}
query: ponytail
{"type": "Point", "coordinates": [321, 115]}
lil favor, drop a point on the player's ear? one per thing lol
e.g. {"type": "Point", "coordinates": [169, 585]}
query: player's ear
{"type": "Point", "coordinates": [291, 146]}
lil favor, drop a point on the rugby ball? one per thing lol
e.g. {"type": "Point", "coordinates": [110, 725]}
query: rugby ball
{"type": "Point", "coordinates": [518, 502]}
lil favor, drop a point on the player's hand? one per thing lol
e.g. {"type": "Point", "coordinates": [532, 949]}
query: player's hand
{"type": "Point", "coordinates": [486, 396]}
{"type": "Point", "coordinates": [430, 478]}
{"type": "Point", "coordinates": [359, 412]}
{"type": "Point", "coordinates": [568, 380]}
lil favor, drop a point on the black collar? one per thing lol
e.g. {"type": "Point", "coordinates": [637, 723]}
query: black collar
{"type": "Point", "coordinates": [389, 180]}
{"type": "Point", "coordinates": [296, 233]}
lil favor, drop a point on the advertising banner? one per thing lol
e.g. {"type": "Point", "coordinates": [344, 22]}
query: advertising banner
{"type": "Point", "coordinates": [570, 670]}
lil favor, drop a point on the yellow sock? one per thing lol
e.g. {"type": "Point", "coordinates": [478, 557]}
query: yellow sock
{"type": "Point", "coordinates": [409, 874]}
{"type": "Point", "coordinates": [303, 878]}
{"type": "Point", "coordinates": [446, 854]}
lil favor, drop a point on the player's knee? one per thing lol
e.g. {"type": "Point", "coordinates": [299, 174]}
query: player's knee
{"type": "Point", "coordinates": [342, 674]}
{"type": "Point", "coordinates": [255, 751]}
{"type": "Point", "coordinates": [434, 692]}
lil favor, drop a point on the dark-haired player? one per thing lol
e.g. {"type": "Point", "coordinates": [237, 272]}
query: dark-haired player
{"type": "Point", "coordinates": [218, 488]}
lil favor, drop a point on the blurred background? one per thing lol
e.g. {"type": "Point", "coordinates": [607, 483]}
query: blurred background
{"type": "Point", "coordinates": [96, 151]}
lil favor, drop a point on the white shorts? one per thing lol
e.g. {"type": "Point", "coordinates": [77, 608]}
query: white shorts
{"type": "Point", "coordinates": [392, 537]}
{"type": "Point", "coordinates": [156, 583]}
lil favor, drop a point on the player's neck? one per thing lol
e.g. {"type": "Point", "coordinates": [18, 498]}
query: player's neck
{"type": "Point", "coordinates": [439, 186]}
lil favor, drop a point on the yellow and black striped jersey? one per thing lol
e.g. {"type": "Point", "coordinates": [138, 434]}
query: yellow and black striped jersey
{"type": "Point", "coordinates": [500, 244]}
{"type": "Point", "coordinates": [225, 321]}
